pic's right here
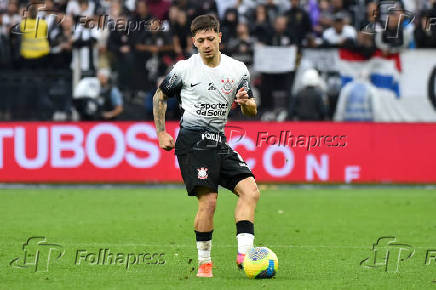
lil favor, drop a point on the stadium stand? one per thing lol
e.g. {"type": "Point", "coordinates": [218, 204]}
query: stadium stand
{"type": "Point", "coordinates": [140, 40]}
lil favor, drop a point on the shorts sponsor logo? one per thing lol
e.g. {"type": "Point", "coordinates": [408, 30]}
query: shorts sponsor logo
{"type": "Point", "coordinates": [211, 136]}
{"type": "Point", "coordinates": [202, 173]}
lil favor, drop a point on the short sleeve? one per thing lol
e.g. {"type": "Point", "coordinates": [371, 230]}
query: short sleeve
{"type": "Point", "coordinates": [245, 82]}
{"type": "Point", "coordinates": [116, 97]}
{"type": "Point", "coordinates": [172, 84]}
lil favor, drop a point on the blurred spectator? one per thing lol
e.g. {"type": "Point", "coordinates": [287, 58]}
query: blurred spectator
{"type": "Point", "coordinates": [242, 46]}
{"type": "Point", "coordinates": [310, 103]}
{"type": "Point", "coordinates": [49, 14]}
{"type": "Point", "coordinates": [207, 6]}
{"type": "Point", "coordinates": [261, 28]}
{"type": "Point", "coordinates": [103, 36]}
{"type": "Point", "coordinates": [86, 98]}
{"type": "Point", "coordinates": [155, 48]}
{"type": "Point", "coordinates": [370, 20]}
{"type": "Point", "coordinates": [359, 101]}
{"type": "Point", "coordinates": [173, 111]}
{"type": "Point", "coordinates": [3, 5]}
{"type": "Point", "coordinates": [299, 23]}
{"type": "Point", "coordinates": [364, 44]}
{"type": "Point", "coordinates": [313, 11]}
{"type": "Point", "coordinates": [96, 98]}
{"type": "Point", "coordinates": [194, 8]}
{"type": "Point", "coordinates": [340, 6]}
{"type": "Point", "coordinates": [191, 7]}
{"type": "Point", "coordinates": [324, 19]}
{"type": "Point", "coordinates": [111, 100]}
{"type": "Point", "coordinates": [245, 10]}
{"type": "Point", "coordinates": [5, 49]}
{"type": "Point", "coordinates": [228, 26]}
{"type": "Point", "coordinates": [282, 5]}
{"type": "Point", "coordinates": [181, 34]}
{"type": "Point", "coordinates": [276, 87]}
{"type": "Point", "coordinates": [223, 5]}
{"type": "Point", "coordinates": [398, 33]}
{"type": "Point", "coordinates": [11, 17]}
{"type": "Point", "coordinates": [60, 38]}
{"type": "Point", "coordinates": [129, 5]}
{"type": "Point", "coordinates": [339, 33]}
{"type": "Point", "coordinates": [141, 16]}
{"type": "Point", "coordinates": [120, 46]}
{"type": "Point", "coordinates": [425, 33]}
{"type": "Point", "coordinates": [34, 42]}
{"type": "Point", "coordinates": [85, 50]}
{"type": "Point", "coordinates": [272, 9]}
{"type": "Point", "coordinates": [159, 8]}
{"type": "Point", "coordinates": [280, 35]}
{"type": "Point", "coordinates": [105, 7]}
{"type": "Point", "coordinates": [80, 7]}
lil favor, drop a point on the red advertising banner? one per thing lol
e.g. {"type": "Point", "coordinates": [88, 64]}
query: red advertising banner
{"type": "Point", "coordinates": [276, 152]}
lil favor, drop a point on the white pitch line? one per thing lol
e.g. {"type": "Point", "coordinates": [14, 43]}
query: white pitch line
{"type": "Point", "coordinates": [215, 246]}
{"type": "Point", "coordinates": [103, 245]}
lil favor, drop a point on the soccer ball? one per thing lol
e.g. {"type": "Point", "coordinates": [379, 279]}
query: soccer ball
{"type": "Point", "coordinates": [260, 262]}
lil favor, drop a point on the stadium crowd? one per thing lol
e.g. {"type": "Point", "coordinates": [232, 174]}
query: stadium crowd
{"type": "Point", "coordinates": [113, 54]}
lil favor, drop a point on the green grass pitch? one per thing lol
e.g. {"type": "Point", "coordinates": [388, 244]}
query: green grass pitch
{"type": "Point", "coordinates": [320, 236]}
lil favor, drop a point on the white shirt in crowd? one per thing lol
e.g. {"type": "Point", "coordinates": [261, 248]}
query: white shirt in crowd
{"type": "Point", "coordinates": [333, 37]}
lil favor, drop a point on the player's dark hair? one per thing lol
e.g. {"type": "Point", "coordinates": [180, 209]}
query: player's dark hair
{"type": "Point", "coordinates": [205, 22]}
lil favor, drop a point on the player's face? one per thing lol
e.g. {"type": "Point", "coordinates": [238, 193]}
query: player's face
{"type": "Point", "coordinates": [207, 42]}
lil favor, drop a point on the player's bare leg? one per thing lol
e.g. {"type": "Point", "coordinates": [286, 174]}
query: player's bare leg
{"type": "Point", "coordinates": [203, 225]}
{"type": "Point", "coordinates": [248, 196]}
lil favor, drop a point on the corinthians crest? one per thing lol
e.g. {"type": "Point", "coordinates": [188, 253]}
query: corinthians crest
{"type": "Point", "coordinates": [202, 173]}
{"type": "Point", "coordinates": [227, 86]}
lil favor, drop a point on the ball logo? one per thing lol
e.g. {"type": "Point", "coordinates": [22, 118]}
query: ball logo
{"type": "Point", "coordinates": [202, 173]}
{"type": "Point", "coordinates": [227, 86]}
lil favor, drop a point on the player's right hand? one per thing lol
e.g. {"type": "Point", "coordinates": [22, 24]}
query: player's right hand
{"type": "Point", "coordinates": [166, 141]}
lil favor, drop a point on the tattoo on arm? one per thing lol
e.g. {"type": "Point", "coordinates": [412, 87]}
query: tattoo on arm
{"type": "Point", "coordinates": [159, 110]}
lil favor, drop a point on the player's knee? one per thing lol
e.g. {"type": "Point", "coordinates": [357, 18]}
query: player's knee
{"type": "Point", "coordinates": [208, 203]}
{"type": "Point", "coordinates": [250, 192]}
{"type": "Point", "coordinates": [255, 194]}
{"type": "Point", "coordinates": [208, 206]}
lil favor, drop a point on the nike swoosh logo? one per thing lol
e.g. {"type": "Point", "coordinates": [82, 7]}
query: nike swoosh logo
{"type": "Point", "coordinates": [193, 85]}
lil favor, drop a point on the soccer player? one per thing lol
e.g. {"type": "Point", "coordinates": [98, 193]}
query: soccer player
{"type": "Point", "coordinates": [207, 85]}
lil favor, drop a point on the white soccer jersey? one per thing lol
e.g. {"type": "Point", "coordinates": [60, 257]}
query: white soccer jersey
{"type": "Point", "coordinates": [206, 93]}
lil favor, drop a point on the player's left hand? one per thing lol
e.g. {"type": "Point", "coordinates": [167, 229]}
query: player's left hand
{"type": "Point", "coordinates": [242, 97]}
{"type": "Point", "coordinates": [107, 115]}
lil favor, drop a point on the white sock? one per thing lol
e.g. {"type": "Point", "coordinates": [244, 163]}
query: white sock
{"type": "Point", "coordinates": [204, 248]}
{"type": "Point", "coordinates": [245, 242]}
